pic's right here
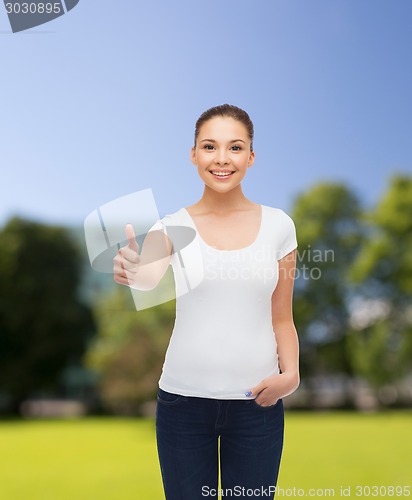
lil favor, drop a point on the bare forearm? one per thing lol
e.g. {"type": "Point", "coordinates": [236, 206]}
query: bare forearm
{"type": "Point", "coordinates": [288, 350]}
{"type": "Point", "coordinates": [149, 275]}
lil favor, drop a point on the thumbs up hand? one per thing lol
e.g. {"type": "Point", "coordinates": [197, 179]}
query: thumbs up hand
{"type": "Point", "coordinates": [126, 263]}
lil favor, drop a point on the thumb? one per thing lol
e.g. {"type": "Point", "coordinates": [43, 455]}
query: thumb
{"type": "Point", "coordinates": [131, 237]}
{"type": "Point", "coordinates": [254, 391]}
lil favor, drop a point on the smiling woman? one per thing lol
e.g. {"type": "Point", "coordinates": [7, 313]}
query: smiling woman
{"type": "Point", "coordinates": [233, 352]}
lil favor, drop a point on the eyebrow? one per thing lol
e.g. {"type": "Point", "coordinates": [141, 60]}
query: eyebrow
{"type": "Point", "coordinates": [212, 140]}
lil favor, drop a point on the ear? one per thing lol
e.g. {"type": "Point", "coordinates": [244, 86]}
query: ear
{"type": "Point", "coordinates": [251, 160]}
{"type": "Point", "coordinates": [193, 156]}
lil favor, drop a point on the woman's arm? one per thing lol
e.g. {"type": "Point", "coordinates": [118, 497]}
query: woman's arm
{"type": "Point", "coordinates": [277, 386]}
{"type": "Point", "coordinates": [282, 320]}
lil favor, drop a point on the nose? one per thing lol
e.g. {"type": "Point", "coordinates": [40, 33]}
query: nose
{"type": "Point", "coordinates": [222, 158]}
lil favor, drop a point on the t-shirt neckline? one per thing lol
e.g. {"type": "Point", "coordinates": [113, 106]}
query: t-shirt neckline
{"type": "Point", "coordinates": [237, 249]}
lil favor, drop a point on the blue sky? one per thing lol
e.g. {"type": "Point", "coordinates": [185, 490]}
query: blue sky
{"type": "Point", "coordinates": [102, 101]}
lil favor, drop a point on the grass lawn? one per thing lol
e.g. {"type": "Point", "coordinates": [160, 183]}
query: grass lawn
{"type": "Point", "coordinates": [116, 459]}
{"type": "Point", "coordinates": [334, 450]}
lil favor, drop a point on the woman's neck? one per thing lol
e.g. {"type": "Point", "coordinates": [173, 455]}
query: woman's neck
{"type": "Point", "coordinates": [223, 202]}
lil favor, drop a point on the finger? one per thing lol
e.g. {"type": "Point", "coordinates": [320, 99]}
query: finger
{"type": "Point", "coordinates": [121, 280]}
{"type": "Point", "coordinates": [124, 266]}
{"type": "Point", "coordinates": [123, 276]}
{"type": "Point", "coordinates": [258, 388]}
{"type": "Point", "coordinates": [265, 403]}
{"type": "Point", "coordinates": [119, 269]}
{"type": "Point", "coordinates": [129, 276]}
{"type": "Point", "coordinates": [254, 391]}
{"type": "Point", "coordinates": [126, 275]}
{"type": "Point", "coordinates": [122, 260]}
{"type": "Point", "coordinates": [130, 255]}
{"type": "Point", "coordinates": [118, 263]}
{"type": "Point", "coordinates": [125, 269]}
{"type": "Point", "coordinates": [131, 238]}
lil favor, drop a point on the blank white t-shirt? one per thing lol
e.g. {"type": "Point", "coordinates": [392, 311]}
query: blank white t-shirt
{"type": "Point", "coordinates": [223, 342]}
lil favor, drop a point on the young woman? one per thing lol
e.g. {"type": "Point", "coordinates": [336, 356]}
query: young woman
{"type": "Point", "coordinates": [233, 353]}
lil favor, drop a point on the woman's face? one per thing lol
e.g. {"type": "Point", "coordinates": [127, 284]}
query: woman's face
{"type": "Point", "coordinates": [222, 146]}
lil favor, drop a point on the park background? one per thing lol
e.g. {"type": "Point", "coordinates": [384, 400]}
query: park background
{"type": "Point", "coordinates": [101, 103]}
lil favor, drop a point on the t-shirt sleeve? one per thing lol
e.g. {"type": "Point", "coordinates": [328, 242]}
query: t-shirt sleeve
{"type": "Point", "coordinates": [162, 224]}
{"type": "Point", "coordinates": [157, 226]}
{"type": "Point", "coordinates": [288, 241]}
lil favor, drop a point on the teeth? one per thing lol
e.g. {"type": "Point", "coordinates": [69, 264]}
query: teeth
{"type": "Point", "coordinates": [222, 174]}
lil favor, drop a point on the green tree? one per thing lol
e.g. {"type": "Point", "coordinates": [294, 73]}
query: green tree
{"type": "Point", "coordinates": [329, 234]}
{"type": "Point", "coordinates": [380, 342]}
{"type": "Point", "coordinates": [43, 324]}
{"type": "Point", "coordinates": [128, 351]}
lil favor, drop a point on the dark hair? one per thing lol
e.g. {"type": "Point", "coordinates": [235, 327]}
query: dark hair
{"type": "Point", "coordinates": [229, 111]}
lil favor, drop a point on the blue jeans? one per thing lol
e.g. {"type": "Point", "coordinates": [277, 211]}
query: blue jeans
{"type": "Point", "coordinates": [187, 433]}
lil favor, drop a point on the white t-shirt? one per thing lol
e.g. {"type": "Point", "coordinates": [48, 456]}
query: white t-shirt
{"type": "Point", "coordinates": [223, 342]}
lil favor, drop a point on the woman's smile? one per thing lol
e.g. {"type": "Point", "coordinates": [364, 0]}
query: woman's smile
{"type": "Point", "coordinates": [221, 175]}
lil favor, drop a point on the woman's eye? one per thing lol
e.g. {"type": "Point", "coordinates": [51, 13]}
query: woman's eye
{"type": "Point", "coordinates": [236, 148]}
{"type": "Point", "coordinates": [208, 146]}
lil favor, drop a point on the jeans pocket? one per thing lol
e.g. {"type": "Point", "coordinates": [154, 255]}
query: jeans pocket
{"type": "Point", "coordinates": [168, 398]}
